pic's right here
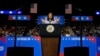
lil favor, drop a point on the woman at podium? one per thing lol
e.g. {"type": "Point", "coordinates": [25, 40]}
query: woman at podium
{"type": "Point", "coordinates": [50, 19]}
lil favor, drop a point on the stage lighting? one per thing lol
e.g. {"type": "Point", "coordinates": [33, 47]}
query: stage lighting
{"type": "Point", "coordinates": [19, 12]}
{"type": "Point", "coordinates": [98, 48]}
{"type": "Point", "coordinates": [25, 17]}
{"type": "Point", "coordinates": [77, 18]}
{"type": "Point", "coordinates": [10, 12]}
{"type": "Point", "coordinates": [1, 12]}
{"type": "Point", "coordinates": [87, 18]}
{"type": "Point", "coordinates": [82, 18]}
{"type": "Point", "coordinates": [19, 17]}
{"type": "Point", "coordinates": [7, 12]}
{"type": "Point", "coordinates": [97, 13]}
{"type": "Point", "coordinates": [14, 17]}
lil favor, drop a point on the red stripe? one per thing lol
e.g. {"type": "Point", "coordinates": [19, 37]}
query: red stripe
{"type": "Point", "coordinates": [98, 54]}
{"type": "Point", "coordinates": [5, 54]}
{"type": "Point", "coordinates": [3, 39]}
{"type": "Point", "coordinates": [91, 37]}
{"type": "Point", "coordinates": [10, 18]}
{"type": "Point", "coordinates": [61, 54]}
{"type": "Point", "coordinates": [73, 19]}
{"type": "Point", "coordinates": [91, 17]}
{"type": "Point", "coordinates": [38, 37]}
{"type": "Point", "coordinates": [28, 16]}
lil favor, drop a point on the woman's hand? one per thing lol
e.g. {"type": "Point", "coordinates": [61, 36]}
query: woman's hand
{"type": "Point", "coordinates": [43, 21]}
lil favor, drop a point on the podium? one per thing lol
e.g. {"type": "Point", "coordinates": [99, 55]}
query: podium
{"type": "Point", "coordinates": [50, 30]}
{"type": "Point", "coordinates": [50, 38]}
{"type": "Point", "coordinates": [50, 46]}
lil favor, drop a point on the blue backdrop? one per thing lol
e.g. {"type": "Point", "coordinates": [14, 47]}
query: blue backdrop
{"type": "Point", "coordinates": [61, 21]}
{"type": "Point", "coordinates": [92, 43]}
{"type": "Point", "coordinates": [22, 42]}
{"type": "Point", "coordinates": [75, 41]}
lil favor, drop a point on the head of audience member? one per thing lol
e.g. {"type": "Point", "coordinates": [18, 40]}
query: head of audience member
{"type": "Point", "coordinates": [50, 16]}
{"type": "Point", "coordinates": [0, 30]}
{"type": "Point", "coordinates": [67, 33]}
{"type": "Point", "coordinates": [35, 32]}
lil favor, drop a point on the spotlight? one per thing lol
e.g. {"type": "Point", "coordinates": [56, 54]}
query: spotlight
{"type": "Point", "coordinates": [97, 13]}
{"type": "Point", "coordinates": [1, 12]}
{"type": "Point", "coordinates": [82, 18]}
{"type": "Point", "coordinates": [19, 17]}
{"type": "Point", "coordinates": [19, 12]}
{"type": "Point", "coordinates": [14, 17]}
{"type": "Point", "coordinates": [87, 18]}
{"type": "Point", "coordinates": [10, 12]}
{"type": "Point", "coordinates": [25, 18]}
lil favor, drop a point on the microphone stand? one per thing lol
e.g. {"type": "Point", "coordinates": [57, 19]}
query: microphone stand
{"type": "Point", "coordinates": [15, 32]}
{"type": "Point", "coordinates": [16, 23]}
{"type": "Point", "coordinates": [81, 42]}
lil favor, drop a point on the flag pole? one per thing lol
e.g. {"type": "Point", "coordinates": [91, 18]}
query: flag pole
{"type": "Point", "coordinates": [81, 43]}
{"type": "Point", "coordinates": [15, 32]}
{"type": "Point", "coordinates": [80, 10]}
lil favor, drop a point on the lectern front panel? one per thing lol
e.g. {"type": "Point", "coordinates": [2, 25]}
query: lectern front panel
{"type": "Point", "coordinates": [50, 30]}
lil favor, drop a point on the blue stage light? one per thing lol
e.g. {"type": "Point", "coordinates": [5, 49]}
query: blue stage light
{"type": "Point", "coordinates": [82, 18]}
{"type": "Point", "coordinates": [97, 13]}
{"type": "Point", "coordinates": [19, 12]}
{"type": "Point", "coordinates": [25, 18]}
{"type": "Point", "coordinates": [10, 12]}
{"type": "Point", "coordinates": [1, 12]}
{"type": "Point", "coordinates": [14, 17]}
{"type": "Point", "coordinates": [7, 12]}
{"type": "Point", "coordinates": [19, 17]}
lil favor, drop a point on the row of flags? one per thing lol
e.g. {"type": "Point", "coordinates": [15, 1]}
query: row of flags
{"type": "Point", "coordinates": [28, 17]}
{"type": "Point", "coordinates": [19, 17]}
{"type": "Point", "coordinates": [68, 8]}
{"type": "Point", "coordinates": [17, 14]}
{"type": "Point", "coordinates": [34, 9]}
{"type": "Point", "coordinates": [82, 18]}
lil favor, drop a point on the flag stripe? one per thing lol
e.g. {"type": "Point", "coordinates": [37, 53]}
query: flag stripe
{"type": "Point", "coordinates": [33, 8]}
{"type": "Point", "coordinates": [68, 9]}
{"type": "Point", "coordinates": [19, 17]}
{"type": "Point", "coordinates": [82, 18]}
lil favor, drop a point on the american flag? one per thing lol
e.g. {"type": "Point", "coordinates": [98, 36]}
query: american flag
{"type": "Point", "coordinates": [82, 18]}
{"type": "Point", "coordinates": [68, 9]}
{"type": "Point", "coordinates": [19, 17]}
{"type": "Point", "coordinates": [33, 8]}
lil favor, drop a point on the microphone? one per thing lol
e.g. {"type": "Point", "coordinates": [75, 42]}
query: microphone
{"type": "Point", "coordinates": [78, 9]}
{"type": "Point", "coordinates": [18, 9]}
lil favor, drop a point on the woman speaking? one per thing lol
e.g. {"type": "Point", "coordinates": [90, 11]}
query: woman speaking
{"type": "Point", "coordinates": [50, 19]}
